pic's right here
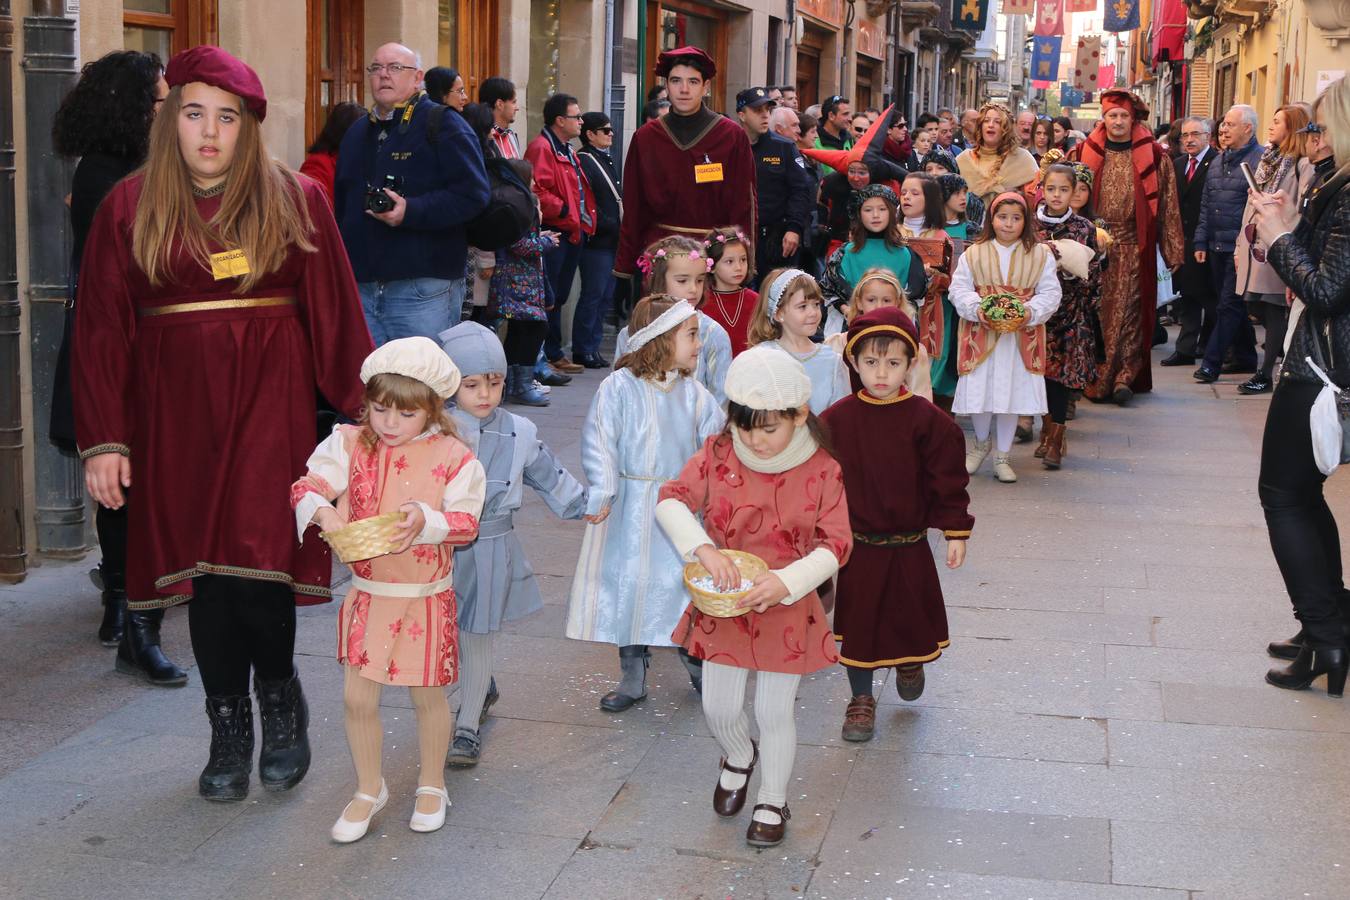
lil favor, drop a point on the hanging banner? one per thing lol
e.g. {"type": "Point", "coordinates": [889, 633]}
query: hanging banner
{"type": "Point", "coordinates": [1018, 7]}
{"type": "Point", "coordinates": [970, 15]}
{"type": "Point", "coordinates": [1121, 15]}
{"type": "Point", "coordinates": [1049, 17]}
{"type": "Point", "coordinates": [1087, 63]}
{"type": "Point", "coordinates": [1077, 6]}
{"type": "Point", "coordinates": [1045, 58]}
{"type": "Point", "coordinates": [1070, 96]}
{"type": "Point", "coordinates": [1106, 76]}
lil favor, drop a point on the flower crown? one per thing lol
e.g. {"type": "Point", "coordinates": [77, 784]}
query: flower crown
{"type": "Point", "coordinates": [646, 261]}
{"type": "Point", "coordinates": [722, 239]}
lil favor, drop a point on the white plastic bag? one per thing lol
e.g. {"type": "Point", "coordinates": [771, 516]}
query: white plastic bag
{"type": "Point", "coordinates": [1165, 292]}
{"type": "Point", "coordinates": [1324, 421]}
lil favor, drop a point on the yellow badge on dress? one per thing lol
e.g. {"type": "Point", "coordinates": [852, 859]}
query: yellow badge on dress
{"type": "Point", "coordinates": [229, 264]}
{"type": "Point", "coordinates": [707, 173]}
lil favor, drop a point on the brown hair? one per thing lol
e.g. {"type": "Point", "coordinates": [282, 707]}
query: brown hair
{"type": "Point", "coordinates": [1043, 125]}
{"type": "Point", "coordinates": [262, 211]}
{"type": "Point", "coordinates": [879, 343]}
{"type": "Point", "coordinates": [746, 418]}
{"type": "Point", "coordinates": [657, 258]}
{"type": "Point", "coordinates": [717, 242]}
{"type": "Point", "coordinates": [403, 393]}
{"type": "Point", "coordinates": [1029, 236]}
{"type": "Point", "coordinates": [858, 234]}
{"type": "Point", "coordinates": [1296, 115]}
{"type": "Point", "coordinates": [762, 326]}
{"type": "Point", "coordinates": [656, 357]}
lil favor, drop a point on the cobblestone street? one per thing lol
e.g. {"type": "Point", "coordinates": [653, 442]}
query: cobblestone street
{"type": "Point", "coordinates": [1098, 730]}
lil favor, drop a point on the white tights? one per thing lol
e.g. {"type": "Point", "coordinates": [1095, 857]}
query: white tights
{"type": "Point", "coordinates": [775, 701]}
{"type": "Point", "coordinates": [1007, 428]}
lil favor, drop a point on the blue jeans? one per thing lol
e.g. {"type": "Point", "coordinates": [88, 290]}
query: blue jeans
{"type": "Point", "coordinates": [597, 292]}
{"type": "Point", "coordinates": [413, 307]}
{"type": "Point", "coordinates": [560, 267]}
{"type": "Point", "coordinates": [1232, 328]}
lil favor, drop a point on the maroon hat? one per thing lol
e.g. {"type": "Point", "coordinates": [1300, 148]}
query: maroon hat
{"type": "Point", "coordinates": [690, 56]}
{"type": "Point", "coordinates": [214, 66]}
{"type": "Point", "coordinates": [883, 320]}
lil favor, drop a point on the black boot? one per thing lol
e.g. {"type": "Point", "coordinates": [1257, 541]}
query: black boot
{"type": "Point", "coordinates": [1334, 663]}
{"type": "Point", "coordinates": [694, 666]}
{"type": "Point", "coordinates": [139, 652]}
{"type": "Point", "coordinates": [633, 660]}
{"type": "Point", "coordinates": [114, 591]}
{"type": "Point", "coordinates": [226, 774]}
{"type": "Point", "coordinates": [1286, 649]}
{"type": "Point", "coordinates": [284, 714]}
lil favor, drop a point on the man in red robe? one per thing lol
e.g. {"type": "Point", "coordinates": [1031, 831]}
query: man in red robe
{"type": "Point", "coordinates": [687, 172]}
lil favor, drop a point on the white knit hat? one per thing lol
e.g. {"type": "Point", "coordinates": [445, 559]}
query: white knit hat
{"type": "Point", "coordinates": [419, 358]}
{"type": "Point", "coordinates": [768, 378]}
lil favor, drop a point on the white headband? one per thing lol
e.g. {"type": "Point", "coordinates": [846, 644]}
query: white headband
{"type": "Point", "coordinates": [779, 285]}
{"type": "Point", "coordinates": [660, 325]}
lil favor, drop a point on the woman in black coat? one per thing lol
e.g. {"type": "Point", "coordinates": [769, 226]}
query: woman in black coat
{"type": "Point", "coordinates": [1313, 259]}
{"type": "Point", "coordinates": [105, 121]}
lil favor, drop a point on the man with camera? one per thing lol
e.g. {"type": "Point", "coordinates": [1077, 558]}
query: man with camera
{"type": "Point", "coordinates": [409, 176]}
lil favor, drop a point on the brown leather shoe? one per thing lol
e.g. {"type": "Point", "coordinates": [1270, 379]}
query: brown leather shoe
{"type": "Point", "coordinates": [909, 681]}
{"type": "Point", "coordinates": [566, 366]}
{"type": "Point", "coordinates": [761, 835]}
{"type": "Point", "coordinates": [1054, 447]}
{"type": "Point", "coordinates": [728, 803]}
{"type": "Point", "coordinates": [860, 718]}
{"type": "Point", "coordinates": [1039, 453]}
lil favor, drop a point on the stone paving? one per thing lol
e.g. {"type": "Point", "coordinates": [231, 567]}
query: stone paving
{"type": "Point", "coordinates": [1099, 729]}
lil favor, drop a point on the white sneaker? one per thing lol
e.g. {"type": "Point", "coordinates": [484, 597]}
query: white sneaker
{"type": "Point", "coordinates": [1003, 470]}
{"type": "Point", "coordinates": [425, 822]}
{"type": "Point", "coordinates": [541, 388]}
{"type": "Point", "coordinates": [976, 454]}
{"type": "Point", "coordinates": [345, 831]}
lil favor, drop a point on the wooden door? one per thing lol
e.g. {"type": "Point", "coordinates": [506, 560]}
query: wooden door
{"type": "Point", "coordinates": [476, 44]}
{"type": "Point", "coordinates": [335, 69]}
{"type": "Point", "coordinates": [808, 76]}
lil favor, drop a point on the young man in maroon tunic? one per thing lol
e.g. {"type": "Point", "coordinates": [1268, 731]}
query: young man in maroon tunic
{"type": "Point", "coordinates": [215, 298]}
{"type": "Point", "coordinates": [687, 172]}
{"type": "Point", "coordinates": [903, 461]}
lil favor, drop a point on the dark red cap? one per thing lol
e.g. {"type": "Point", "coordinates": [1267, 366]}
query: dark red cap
{"type": "Point", "coordinates": [883, 320]}
{"type": "Point", "coordinates": [692, 56]}
{"type": "Point", "coordinates": [218, 68]}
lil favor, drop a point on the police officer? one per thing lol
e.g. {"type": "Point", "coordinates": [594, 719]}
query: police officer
{"type": "Point", "coordinates": [785, 196]}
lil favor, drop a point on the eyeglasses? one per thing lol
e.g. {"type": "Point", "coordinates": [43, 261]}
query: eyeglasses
{"type": "Point", "coordinates": [394, 69]}
{"type": "Point", "coordinates": [605, 130]}
{"type": "Point", "coordinates": [857, 130]}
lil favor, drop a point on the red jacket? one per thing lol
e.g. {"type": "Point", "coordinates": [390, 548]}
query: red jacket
{"type": "Point", "coordinates": [555, 181]}
{"type": "Point", "coordinates": [321, 167]}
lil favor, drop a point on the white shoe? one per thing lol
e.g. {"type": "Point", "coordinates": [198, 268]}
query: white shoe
{"type": "Point", "coordinates": [346, 831]}
{"type": "Point", "coordinates": [1003, 469]}
{"type": "Point", "coordinates": [425, 822]}
{"type": "Point", "coordinates": [541, 388]}
{"type": "Point", "coordinates": [976, 454]}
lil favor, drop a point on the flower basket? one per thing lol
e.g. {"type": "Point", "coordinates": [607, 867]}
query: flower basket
{"type": "Point", "coordinates": [1004, 312]}
{"type": "Point", "coordinates": [364, 538]}
{"type": "Point", "coordinates": [717, 605]}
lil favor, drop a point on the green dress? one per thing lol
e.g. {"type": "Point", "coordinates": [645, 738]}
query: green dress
{"type": "Point", "coordinates": [944, 363]}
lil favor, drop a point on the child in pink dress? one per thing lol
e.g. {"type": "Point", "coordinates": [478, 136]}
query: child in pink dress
{"type": "Point", "coordinates": [397, 625]}
{"type": "Point", "coordinates": [766, 486]}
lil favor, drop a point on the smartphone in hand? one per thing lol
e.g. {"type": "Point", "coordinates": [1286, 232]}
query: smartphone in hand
{"type": "Point", "coordinates": [1247, 174]}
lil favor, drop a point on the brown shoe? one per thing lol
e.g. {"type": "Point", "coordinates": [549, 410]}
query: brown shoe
{"type": "Point", "coordinates": [761, 835]}
{"type": "Point", "coordinates": [1039, 453]}
{"type": "Point", "coordinates": [566, 366]}
{"type": "Point", "coordinates": [728, 803]}
{"type": "Point", "coordinates": [1054, 447]}
{"type": "Point", "coordinates": [909, 681]}
{"type": "Point", "coordinates": [860, 718]}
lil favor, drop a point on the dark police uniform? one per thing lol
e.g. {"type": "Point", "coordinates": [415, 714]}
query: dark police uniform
{"type": "Point", "coordinates": [785, 199]}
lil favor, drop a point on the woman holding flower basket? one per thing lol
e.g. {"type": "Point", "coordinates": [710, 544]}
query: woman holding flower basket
{"type": "Point", "coordinates": [1004, 289]}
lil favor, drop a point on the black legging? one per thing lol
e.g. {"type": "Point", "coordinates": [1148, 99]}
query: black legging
{"type": "Point", "coordinates": [238, 624]}
{"type": "Point", "coordinates": [1276, 321]}
{"type": "Point", "coordinates": [1057, 398]}
{"type": "Point", "coordinates": [1303, 533]}
{"type": "Point", "coordinates": [524, 337]}
{"type": "Point", "coordinates": [859, 680]}
{"type": "Point", "coordinates": [111, 525]}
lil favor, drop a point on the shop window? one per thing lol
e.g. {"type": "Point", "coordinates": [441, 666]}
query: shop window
{"type": "Point", "coordinates": [334, 70]}
{"type": "Point", "coordinates": [167, 26]}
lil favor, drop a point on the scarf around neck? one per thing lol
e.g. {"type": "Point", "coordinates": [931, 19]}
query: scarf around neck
{"type": "Point", "coordinates": [801, 448]}
{"type": "Point", "coordinates": [1272, 169]}
{"type": "Point", "coordinates": [1145, 154]}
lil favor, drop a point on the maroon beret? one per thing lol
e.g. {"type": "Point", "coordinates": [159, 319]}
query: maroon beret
{"type": "Point", "coordinates": [218, 68]}
{"type": "Point", "coordinates": [691, 56]}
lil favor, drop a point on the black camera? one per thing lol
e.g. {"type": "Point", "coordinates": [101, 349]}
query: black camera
{"type": "Point", "coordinates": [377, 201]}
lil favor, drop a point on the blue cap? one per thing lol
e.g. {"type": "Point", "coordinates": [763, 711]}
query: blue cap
{"type": "Point", "coordinates": [474, 349]}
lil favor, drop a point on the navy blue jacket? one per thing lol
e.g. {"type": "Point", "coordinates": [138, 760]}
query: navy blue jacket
{"type": "Point", "coordinates": [444, 183]}
{"type": "Point", "coordinates": [784, 187]}
{"type": "Point", "coordinates": [1225, 198]}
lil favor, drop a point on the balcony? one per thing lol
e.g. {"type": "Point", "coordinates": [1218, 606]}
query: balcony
{"type": "Point", "coordinates": [918, 13]}
{"type": "Point", "coordinates": [1243, 12]}
{"type": "Point", "coordinates": [1201, 9]}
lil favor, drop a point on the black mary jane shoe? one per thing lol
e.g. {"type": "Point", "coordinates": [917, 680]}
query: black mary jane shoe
{"type": "Point", "coordinates": [728, 803]}
{"type": "Point", "coordinates": [760, 834]}
{"type": "Point", "coordinates": [1257, 384]}
{"type": "Point", "coordinates": [1286, 649]}
{"type": "Point", "coordinates": [1309, 664]}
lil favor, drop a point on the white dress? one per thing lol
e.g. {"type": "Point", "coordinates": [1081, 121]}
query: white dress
{"type": "Point", "coordinates": [825, 367]}
{"type": "Point", "coordinates": [1002, 384]}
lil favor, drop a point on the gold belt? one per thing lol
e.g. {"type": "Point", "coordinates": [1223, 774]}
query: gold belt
{"type": "Point", "coordinates": [678, 230]}
{"type": "Point", "coordinates": [890, 540]}
{"type": "Point", "coordinates": [213, 305]}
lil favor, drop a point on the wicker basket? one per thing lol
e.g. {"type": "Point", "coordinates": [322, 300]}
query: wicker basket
{"type": "Point", "coordinates": [723, 606]}
{"type": "Point", "coordinates": [1004, 326]}
{"type": "Point", "coordinates": [364, 538]}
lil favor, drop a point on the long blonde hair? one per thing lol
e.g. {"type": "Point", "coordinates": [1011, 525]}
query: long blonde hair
{"type": "Point", "coordinates": [1334, 106]}
{"type": "Point", "coordinates": [262, 211]}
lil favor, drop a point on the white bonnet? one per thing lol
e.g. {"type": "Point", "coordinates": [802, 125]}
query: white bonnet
{"type": "Point", "coordinates": [768, 378]}
{"type": "Point", "coordinates": [419, 358]}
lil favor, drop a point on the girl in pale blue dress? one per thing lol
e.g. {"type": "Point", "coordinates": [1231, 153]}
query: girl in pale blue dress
{"type": "Point", "coordinates": [788, 315]}
{"type": "Point", "coordinates": [645, 421]}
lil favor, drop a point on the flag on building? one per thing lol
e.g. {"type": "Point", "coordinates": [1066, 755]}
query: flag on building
{"type": "Point", "coordinates": [1018, 7]}
{"type": "Point", "coordinates": [1045, 57]}
{"type": "Point", "coordinates": [1070, 96]}
{"type": "Point", "coordinates": [970, 15]}
{"type": "Point", "coordinates": [1121, 15]}
{"type": "Point", "coordinates": [1049, 17]}
{"type": "Point", "coordinates": [1106, 76]}
{"type": "Point", "coordinates": [1077, 6]}
{"type": "Point", "coordinates": [1087, 63]}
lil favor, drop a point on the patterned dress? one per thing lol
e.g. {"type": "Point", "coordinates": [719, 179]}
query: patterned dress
{"type": "Point", "coordinates": [397, 623]}
{"type": "Point", "coordinates": [1070, 357]}
{"type": "Point", "coordinates": [780, 517]}
{"type": "Point", "coordinates": [518, 289]}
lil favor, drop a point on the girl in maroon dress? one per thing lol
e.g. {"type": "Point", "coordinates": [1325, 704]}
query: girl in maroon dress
{"type": "Point", "coordinates": [728, 301]}
{"type": "Point", "coordinates": [766, 485]}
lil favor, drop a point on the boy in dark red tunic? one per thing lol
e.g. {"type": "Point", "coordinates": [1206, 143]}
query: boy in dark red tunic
{"type": "Point", "coordinates": [889, 610]}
